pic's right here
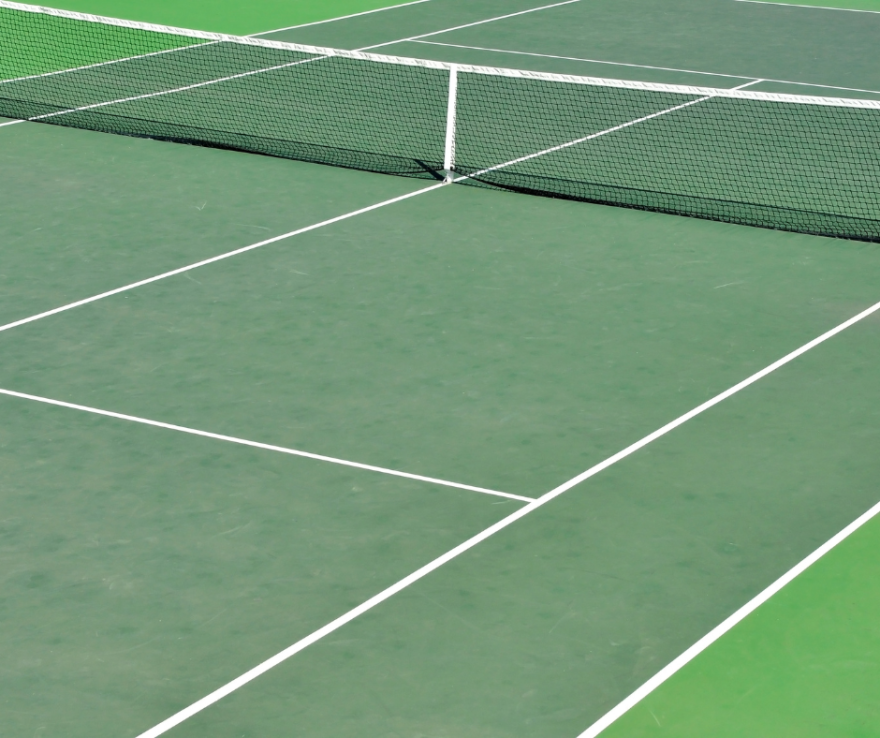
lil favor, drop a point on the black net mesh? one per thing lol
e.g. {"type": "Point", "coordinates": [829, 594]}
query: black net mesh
{"type": "Point", "coordinates": [791, 166]}
{"type": "Point", "coordinates": [811, 168]}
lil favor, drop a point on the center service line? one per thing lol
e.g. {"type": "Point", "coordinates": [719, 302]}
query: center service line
{"type": "Point", "coordinates": [213, 259]}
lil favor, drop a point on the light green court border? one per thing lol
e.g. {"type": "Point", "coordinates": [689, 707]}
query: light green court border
{"type": "Point", "coordinates": [805, 664]}
{"type": "Point", "coordinates": [224, 16]}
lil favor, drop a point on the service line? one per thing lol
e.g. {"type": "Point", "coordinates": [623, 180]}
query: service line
{"type": "Point", "coordinates": [261, 446]}
{"type": "Point", "coordinates": [220, 80]}
{"type": "Point", "coordinates": [279, 658]}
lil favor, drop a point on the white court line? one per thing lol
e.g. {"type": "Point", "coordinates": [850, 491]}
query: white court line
{"type": "Point", "coordinates": [813, 7]}
{"type": "Point", "coordinates": [341, 17]}
{"type": "Point", "coordinates": [262, 446]}
{"type": "Point", "coordinates": [236, 252]}
{"type": "Point", "coordinates": [707, 640]}
{"type": "Point", "coordinates": [620, 127]}
{"type": "Point", "coordinates": [648, 66]}
{"type": "Point", "coordinates": [469, 25]}
{"type": "Point", "coordinates": [385, 594]}
{"type": "Point", "coordinates": [161, 93]}
{"type": "Point", "coordinates": [581, 59]}
{"type": "Point", "coordinates": [198, 85]}
{"type": "Point", "coordinates": [105, 63]}
{"type": "Point", "coordinates": [220, 257]}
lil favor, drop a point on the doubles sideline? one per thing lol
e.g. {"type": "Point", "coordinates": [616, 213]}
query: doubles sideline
{"type": "Point", "coordinates": [462, 548]}
{"type": "Point", "coordinates": [713, 635]}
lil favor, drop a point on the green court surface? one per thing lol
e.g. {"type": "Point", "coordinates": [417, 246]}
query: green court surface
{"type": "Point", "coordinates": [61, 55]}
{"type": "Point", "coordinates": [805, 664]}
{"type": "Point", "coordinates": [225, 16]}
{"type": "Point", "coordinates": [202, 468]}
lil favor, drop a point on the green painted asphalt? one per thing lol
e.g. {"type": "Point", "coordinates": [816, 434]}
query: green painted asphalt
{"type": "Point", "coordinates": [143, 568]}
{"type": "Point", "coordinates": [525, 345]}
{"type": "Point", "coordinates": [87, 212]}
{"type": "Point", "coordinates": [544, 627]}
{"type": "Point", "coordinates": [492, 338]}
{"type": "Point", "coordinates": [804, 665]}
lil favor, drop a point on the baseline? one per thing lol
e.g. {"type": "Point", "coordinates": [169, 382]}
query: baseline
{"type": "Point", "coordinates": [341, 17]}
{"type": "Point", "coordinates": [262, 446]}
{"type": "Point", "coordinates": [399, 586]}
{"type": "Point", "coordinates": [814, 7]}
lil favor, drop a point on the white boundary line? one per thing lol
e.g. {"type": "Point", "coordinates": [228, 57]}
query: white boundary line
{"type": "Point", "coordinates": [813, 7]}
{"type": "Point", "coordinates": [648, 66]}
{"type": "Point", "coordinates": [580, 59]}
{"type": "Point", "coordinates": [471, 25]}
{"type": "Point", "coordinates": [160, 93]}
{"type": "Point", "coordinates": [251, 73]}
{"type": "Point", "coordinates": [590, 137]}
{"type": "Point", "coordinates": [220, 257]}
{"type": "Point", "coordinates": [707, 640]}
{"type": "Point", "coordinates": [340, 18]}
{"type": "Point", "coordinates": [336, 219]}
{"type": "Point", "coordinates": [261, 446]}
{"type": "Point", "coordinates": [103, 63]}
{"type": "Point", "coordinates": [464, 68]}
{"type": "Point", "coordinates": [386, 594]}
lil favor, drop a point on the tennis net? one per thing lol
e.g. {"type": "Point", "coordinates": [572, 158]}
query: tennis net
{"type": "Point", "coordinates": [790, 162]}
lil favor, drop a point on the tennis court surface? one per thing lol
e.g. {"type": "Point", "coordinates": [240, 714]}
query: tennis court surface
{"type": "Point", "coordinates": [459, 369]}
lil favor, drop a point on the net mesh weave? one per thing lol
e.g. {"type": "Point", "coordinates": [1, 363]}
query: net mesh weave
{"type": "Point", "coordinates": [811, 165]}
